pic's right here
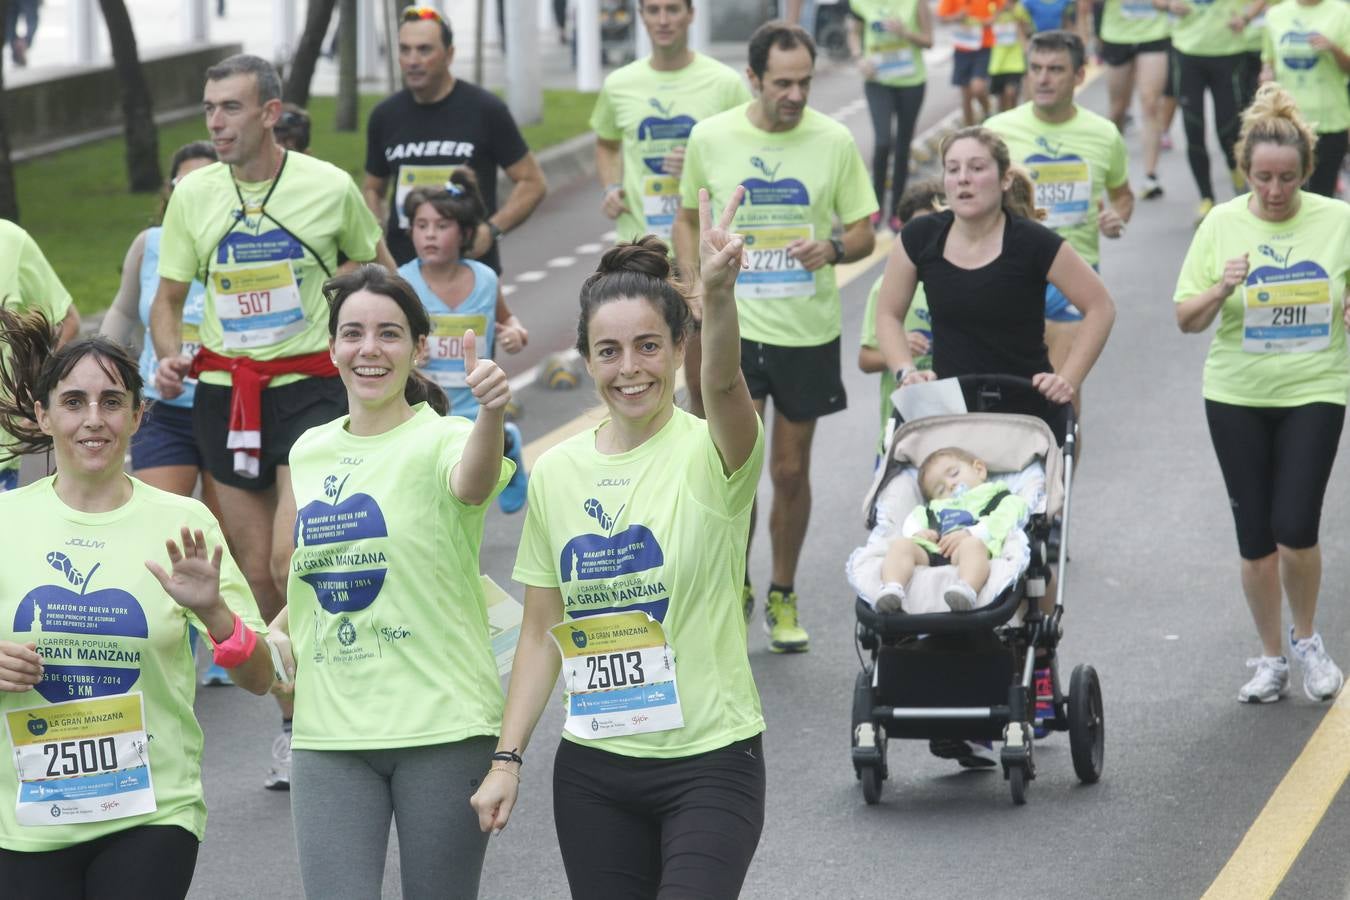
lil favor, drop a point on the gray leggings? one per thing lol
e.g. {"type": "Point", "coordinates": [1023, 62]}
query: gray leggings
{"type": "Point", "coordinates": [341, 802]}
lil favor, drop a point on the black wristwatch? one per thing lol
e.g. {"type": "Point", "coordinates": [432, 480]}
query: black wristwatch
{"type": "Point", "coordinates": [494, 231]}
{"type": "Point", "coordinates": [838, 246]}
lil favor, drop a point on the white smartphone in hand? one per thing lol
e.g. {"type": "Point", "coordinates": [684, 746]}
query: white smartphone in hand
{"type": "Point", "coordinates": [277, 665]}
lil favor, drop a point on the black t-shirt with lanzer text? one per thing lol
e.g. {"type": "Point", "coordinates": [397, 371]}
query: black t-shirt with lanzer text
{"type": "Point", "coordinates": [989, 320]}
{"type": "Point", "coordinates": [414, 144]}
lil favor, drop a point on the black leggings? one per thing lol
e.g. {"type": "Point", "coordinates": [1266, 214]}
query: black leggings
{"type": "Point", "coordinates": [661, 828]}
{"type": "Point", "coordinates": [1225, 77]}
{"type": "Point", "coordinates": [1327, 167]}
{"type": "Point", "coordinates": [1276, 462]}
{"type": "Point", "coordinates": [898, 105]}
{"type": "Point", "coordinates": [148, 862]}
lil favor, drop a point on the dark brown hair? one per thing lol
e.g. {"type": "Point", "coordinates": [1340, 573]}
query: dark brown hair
{"type": "Point", "coordinates": [33, 367]}
{"type": "Point", "coordinates": [458, 200]}
{"type": "Point", "coordinates": [377, 279]}
{"type": "Point", "coordinates": [194, 150]}
{"type": "Point", "coordinates": [923, 196]}
{"type": "Point", "coordinates": [640, 269]}
{"type": "Point", "coordinates": [781, 34]}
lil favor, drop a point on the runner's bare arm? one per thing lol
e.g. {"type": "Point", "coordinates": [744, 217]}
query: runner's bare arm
{"type": "Point", "coordinates": [70, 326]}
{"type": "Point", "coordinates": [726, 399]}
{"type": "Point", "coordinates": [897, 293]}
{"type": "Point", "coordinates": [374, 189]}
{"type": "Point", "coordinates": [122, 321]}
{"type": "Point", "coordinates": [166, 317]}
{"type": "Point", "coordinates": [609, 168]}
{"type": "Point", "coordinates": [1085, 289]}
{"type": "Point", "coordinates": [533, 675]}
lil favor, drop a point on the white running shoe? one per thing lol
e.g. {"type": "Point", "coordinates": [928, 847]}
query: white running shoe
{"type": "Point", "coordinates": [960, 597]}
{"type": "Point", "coordinates": [279, 777]}
{"type": "Point", "coordinates": [1322, 678]}
{"type": "Point", "coordinates": [891, 599]}
{"type": "Point", "coordinates": [1270, 683]}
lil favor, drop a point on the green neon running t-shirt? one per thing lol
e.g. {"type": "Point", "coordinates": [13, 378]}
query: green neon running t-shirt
{"type": "Point", "coordinates": [27, 282]}
{"type": "Point", "coordinates": [76, 584]}
{"type": "Point", "coordinates": [1071, 163]}
{"type": "Point", "coordinates": [652, 113]}
{"type": "Point", "coordinates": [387, 614]}
{"type": "Point", "coordinates": [795, 182]}
{"type": "Point", "coordinates": [1280, 339]}
{"type": "Point", "coordinates": [1315, 81]}
{"type": "Point", "coordinates": [898, 62]}
{"type": "Point", "coordinates": [916, 319]}
{"type": "Point", "coordinates": [264, 295]}
{"type": "Point", "coordinates": [662, 530]}
{"type": "Point", "coordinates": [1204, 30]}
{"type": "Point", "coordinates": [1134, 22]}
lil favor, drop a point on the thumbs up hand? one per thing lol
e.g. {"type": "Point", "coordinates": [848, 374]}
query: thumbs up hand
{"type": "Point", "coordinates": [483, 377]}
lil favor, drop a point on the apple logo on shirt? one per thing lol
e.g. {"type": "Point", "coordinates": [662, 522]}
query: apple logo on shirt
{"type": "Point", "coordinates": [1295, 51]}
{"type": "Point", "coordinates": [1281, 271]}
{"type": "Point", "coordinates": [340, 522]}
{"type": "Point", "coordinates": [768, 191]}
{"type": "Point", "coordinates": [241, 248]}
{"type": "Point", "coordinates": [108, 612]}
{"type": "Point", "coordinates": [664, 127]}
{"type": "Point", "coordinates": [610, 557]}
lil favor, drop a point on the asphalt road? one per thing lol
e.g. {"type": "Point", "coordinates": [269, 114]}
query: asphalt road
{"type": "Point", "coordinates": [1153, 602]}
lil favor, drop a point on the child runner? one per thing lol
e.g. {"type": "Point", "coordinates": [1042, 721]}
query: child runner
{"type": "Point", "coordinates": [461, 294]}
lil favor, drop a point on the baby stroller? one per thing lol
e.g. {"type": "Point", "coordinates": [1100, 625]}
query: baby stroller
{"type": "Point", "coordinates": [942, 675]}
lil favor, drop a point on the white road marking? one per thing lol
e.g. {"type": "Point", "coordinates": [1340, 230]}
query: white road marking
{"type": "Point", "coordinates": [588, 249]}
{"type": "Point", "coordinates": [531, 276]}
{"type": "Point", "coordinates": [561, 262]}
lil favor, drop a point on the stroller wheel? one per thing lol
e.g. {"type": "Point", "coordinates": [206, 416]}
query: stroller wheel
{"type": "Point", "coordinates": [1087, 724]}
{"type": "Point", "coordinates": [1017, 782]}
{"type": "Point", "coordinates": [871, 784]}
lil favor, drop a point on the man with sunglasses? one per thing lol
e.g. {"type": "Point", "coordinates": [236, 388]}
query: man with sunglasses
{"type": "Point", "coordinates": [436, 124]}
{"type": "Point", "coordinates": [262, 231]}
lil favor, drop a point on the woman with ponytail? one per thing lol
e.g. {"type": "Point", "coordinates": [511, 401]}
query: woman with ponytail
{"type": "Point", "coordinates": [984, 263]}
{"type": "Point", "coordinates": [633, 558]}
{"type": "Point", "coordinates": [1271, 267]}
{"type": "Point", "coordinates": [100, 792]}
{"type": "Point", "coordinates": [397, 698]}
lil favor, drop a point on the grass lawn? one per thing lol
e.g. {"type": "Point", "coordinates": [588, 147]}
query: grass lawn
{"type": "Point", "coordinates": [76, 206]}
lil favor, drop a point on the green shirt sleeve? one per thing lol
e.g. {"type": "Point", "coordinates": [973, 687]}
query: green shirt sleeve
{"type": "Point", "coordinates": [855, 198]}
{"type": "Point", "coordinates": [534, 557]}
{"type": "Point", "coordinates": [692, 178]}
{"type": "Point", "coordinates": [39, 288]}
{"type": "Point", "coordinates": [177, 253]}
{"type": "Point", "coordinates": [868, 337]}
{"type": "Point", "coordinates": [1199, 270]}
{"type": "Point", "coordinates": [1119, 171]}
{"type": "Point", "coordinates": [602, 118]}
{"type": "Point", "coordinates": [361, 232]}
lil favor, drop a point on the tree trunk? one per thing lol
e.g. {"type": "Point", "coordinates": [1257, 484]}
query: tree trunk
{"type": "Point", "coordinates": [138, 110]}
{"type": "Point", "coordinates": [346, 95]}
{"type": "Point", "coordinates": [9, 195]}
{"type": "Point", "coordinates": [317, 18]}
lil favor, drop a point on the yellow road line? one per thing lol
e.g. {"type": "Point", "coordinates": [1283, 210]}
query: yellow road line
{"type": "Point", "coordinates": [1273, 843]}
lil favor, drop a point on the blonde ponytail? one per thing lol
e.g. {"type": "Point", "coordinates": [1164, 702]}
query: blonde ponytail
{"type": "Point", "coordinates": [1273, 118]}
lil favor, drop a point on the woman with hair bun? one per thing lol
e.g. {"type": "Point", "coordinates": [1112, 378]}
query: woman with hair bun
{"type": "Point", "coordinates": [397, 697]}
{"type": "Point", "coordinates": [1271, 266]}
{"type": "Point", "coordinates": [633, 558]}
{"type": "Point", "coordinates": [100, 791]}
{"type": "Point", "coordinates": [1307, 50]}
{"type": "Point", "coordinates": [461, 293]}
{"type": "Point", "coordinates": [984, 263]}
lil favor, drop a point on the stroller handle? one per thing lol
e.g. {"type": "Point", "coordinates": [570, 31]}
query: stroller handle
{"type": "Point", "coordinates": [983, 387]}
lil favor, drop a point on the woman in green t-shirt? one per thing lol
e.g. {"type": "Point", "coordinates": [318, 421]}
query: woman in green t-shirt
{"type": "Point", "coordinates": [1307, 50]}
{"type": "Point", "coordinates": [1271, 267]}
{"type": "Point", "coordinates": [100, 791]}
{"type": "Point", "coordinates": [397, 696]}
{"type": "Point", "coordinates": [633, 557]}
{"type": "Point", "coordinates": [887, 38]}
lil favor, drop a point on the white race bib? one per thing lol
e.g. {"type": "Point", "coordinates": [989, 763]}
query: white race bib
{"type": "Point", "coordinates": [660, 203]}
{"type": "Point", "coordinates": [1006, 34]}
{"type": "Point", "coordinates": [81, 761]}
{"type": "Point", "coordinates": [445, 347]}
{"type": "Point", "coordinates": [894, 64]}
{"type": "Point", "coordinates": [619, 674]}
{"type": "Point", "coordinates": [1287, 317]}
{"type": "Point", "coordinates": [258, 304]}
{"type": "Point", "coordinates": [1063, 190]}
{"type": "Point", "coordinates": [767, 271]}
{"type": "Point", "coordinates": [412, 177]}
{"type": "Point", "coordinates": [968, 37]}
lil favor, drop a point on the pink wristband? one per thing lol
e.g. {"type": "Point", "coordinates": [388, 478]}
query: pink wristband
{"type": "Point", "coordinates": [235, 649]}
